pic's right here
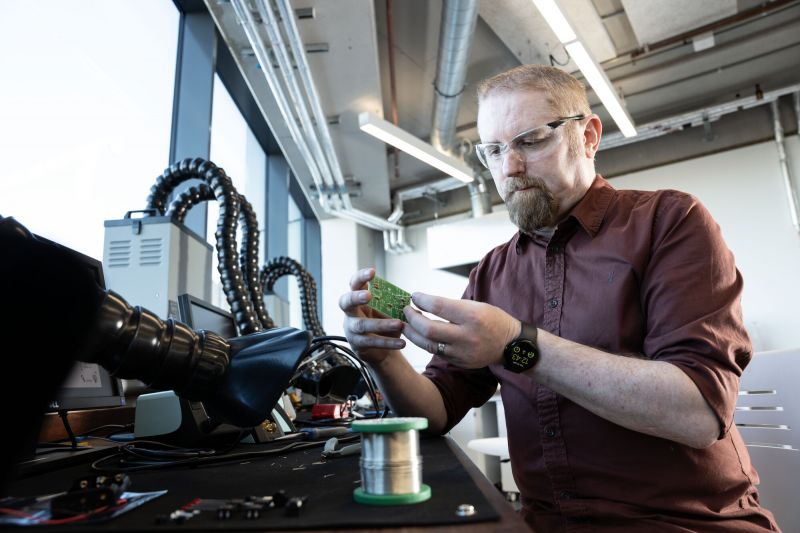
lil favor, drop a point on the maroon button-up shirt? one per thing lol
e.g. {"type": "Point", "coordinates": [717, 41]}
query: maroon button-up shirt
{"type": "Point", "coordinates": [643, 274]}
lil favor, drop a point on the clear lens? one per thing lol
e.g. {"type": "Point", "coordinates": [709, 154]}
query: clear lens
{"type": "Point", "coordinates": [528, 146]}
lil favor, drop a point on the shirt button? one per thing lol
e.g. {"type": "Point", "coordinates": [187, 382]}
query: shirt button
{"type": "Point", "coordinates": [564, 495]}
{"type": "Point", "coordinates": [518, 249]}
{"type": "Point", "coordinates": [550, 431]}
{"type": "Point", "coordinates": [553, 303]}
{"type": "Point", "coordinates": [556, 248]}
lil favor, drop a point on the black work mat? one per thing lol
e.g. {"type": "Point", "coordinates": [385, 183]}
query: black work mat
{"type": "Point", "coordinates": [328, 485]}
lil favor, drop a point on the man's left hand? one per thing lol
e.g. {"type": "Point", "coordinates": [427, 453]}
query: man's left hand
{"type": "Point", "coordinates": [474, 335]}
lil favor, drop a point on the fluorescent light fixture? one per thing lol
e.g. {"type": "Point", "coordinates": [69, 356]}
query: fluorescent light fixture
{"type": "Point", "coordinates": [556, 20]}
{"type": "Point", "coordinates": [402, 140]}
{"type": "Point", "coordinates": [591, 70]}
{"type": "Point", "coordinates": [602, 87]}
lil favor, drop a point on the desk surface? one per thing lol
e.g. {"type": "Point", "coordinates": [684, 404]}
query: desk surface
{"type": "Point", "coordinates": [451, 475]}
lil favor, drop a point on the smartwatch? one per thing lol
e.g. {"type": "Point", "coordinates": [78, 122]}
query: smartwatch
{"type": "Point", "coordinates": [522, 353]}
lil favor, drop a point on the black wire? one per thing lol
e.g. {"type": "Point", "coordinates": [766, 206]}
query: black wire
{"type": "Point", "coordinates": [63, 414]}
{"type": "Point", "coordinates": [88, 433]}
{"type": "Point", "coordinates": [554, 61]}
{"type": "Point", "coordinates": [359, 364]}
{"type": "Point", "coordinates": [100, 466]}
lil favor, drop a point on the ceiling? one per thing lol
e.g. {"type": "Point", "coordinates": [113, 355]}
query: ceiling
{"type": "Point", "coordinates": [649, 49]}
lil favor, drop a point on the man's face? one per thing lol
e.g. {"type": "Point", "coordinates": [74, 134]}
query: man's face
{"type": "Point", "coordinates": [537, 192]}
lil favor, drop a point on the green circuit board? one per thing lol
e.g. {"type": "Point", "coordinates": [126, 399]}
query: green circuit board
{"type": "Point", "coordinates": [388, 299]}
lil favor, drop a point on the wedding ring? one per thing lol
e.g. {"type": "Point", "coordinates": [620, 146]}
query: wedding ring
{"type": "Point", "coordinates": [440, 349]}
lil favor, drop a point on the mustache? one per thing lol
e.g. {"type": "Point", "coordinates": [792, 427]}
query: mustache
{"type": "Point", "coordinates": [517, 184]}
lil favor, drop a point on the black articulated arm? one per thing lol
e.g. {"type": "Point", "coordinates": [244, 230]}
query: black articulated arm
{"type": "Point", "coordinates": [54, 313]}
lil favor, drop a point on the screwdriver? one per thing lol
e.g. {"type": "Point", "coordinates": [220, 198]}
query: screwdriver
{"type": "Point", "coordinates": [316, 433]}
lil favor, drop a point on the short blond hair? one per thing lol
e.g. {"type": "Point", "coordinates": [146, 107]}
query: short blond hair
{"type": "Point", "coordinates": [565, 94]}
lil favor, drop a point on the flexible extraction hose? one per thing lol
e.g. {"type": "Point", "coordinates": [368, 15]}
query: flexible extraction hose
{"type": "Point", "coordinates": [282, 266]}
{"type": "Point", "coordinates": [329, 369]}
{"type": "Point", "coordinates": [248, 252]}
{"type": "Point", "coordinates": [249, 260]}
{"type": "Point", "coordinates": [233, 281]}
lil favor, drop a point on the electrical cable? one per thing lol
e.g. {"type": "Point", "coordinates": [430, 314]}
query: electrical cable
{"type": "Point", "coordinates": [63, 415]}
{"type": "Point", "coordinates": [243, 284]}
{"type": "Point", "coordinates": [231, 276]}
{"type": "Point", "coordinates": [105, 464]}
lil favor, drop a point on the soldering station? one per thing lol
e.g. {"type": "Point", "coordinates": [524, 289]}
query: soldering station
{"type": "Point", "coordinates": [261, 424]}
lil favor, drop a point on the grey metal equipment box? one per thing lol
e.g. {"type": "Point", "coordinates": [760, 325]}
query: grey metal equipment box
{"type": "Point", "coordinates": [151, 260]}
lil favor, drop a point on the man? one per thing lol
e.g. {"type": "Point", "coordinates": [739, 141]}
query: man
{"type": "Point", "coordinates": [611, 321]}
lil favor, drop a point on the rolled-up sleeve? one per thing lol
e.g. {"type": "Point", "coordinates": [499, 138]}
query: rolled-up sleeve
{"type": "Point", "coordinates": [691, 292]}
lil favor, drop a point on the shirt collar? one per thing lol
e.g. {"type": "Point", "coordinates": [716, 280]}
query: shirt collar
{"type": "Point", "coordinates": [591, 209]}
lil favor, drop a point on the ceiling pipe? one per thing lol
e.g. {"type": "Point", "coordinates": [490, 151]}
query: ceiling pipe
{"type": "Point", "coordinates": [392, 80]}
{"type": "Point", "coordinates": [683, 38]}
{"type": "Point", "coordinates": [310, 134]}
{"type": "Point", "coordinates": [455, 38]}
{"type": "Point", "coordinates": [246, 19]}
{"type": "Point", "coordinates": [295, 94]}
{"type": "Point", "coordinates": [301, 64]}
{"type": "Point", "coordinates": [697, 117]}
{"type": "Point", "coordinates": [787, 177]}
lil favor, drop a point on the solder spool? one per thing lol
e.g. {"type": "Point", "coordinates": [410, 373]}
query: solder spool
{"type": "Point", "coordinates": [391, 466]}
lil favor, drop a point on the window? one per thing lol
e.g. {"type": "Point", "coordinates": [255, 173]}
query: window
{"type": "Point", "coordinates": [295, 251]}
{"type": "Point", "coordinates": [237, 151]}
{"type": "Point", "coordinates": [85, 112]}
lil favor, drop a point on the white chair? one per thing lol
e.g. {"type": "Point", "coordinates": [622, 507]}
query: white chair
{"type": "Point", "coordinates": [497, 447]}
{"type": "Point", "coordinates": [768, 417]}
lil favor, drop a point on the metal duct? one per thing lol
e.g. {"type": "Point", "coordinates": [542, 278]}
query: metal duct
{"type": "Point", "coordinates": [479, 197]}
{"type": "Point", "coordinates": [455, 38]}
{"type": "Point", "coordinates": [787, 177]}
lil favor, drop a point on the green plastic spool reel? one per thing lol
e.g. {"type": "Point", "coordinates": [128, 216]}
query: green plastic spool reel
{"type": "Point", "coordinates": [391, 425]}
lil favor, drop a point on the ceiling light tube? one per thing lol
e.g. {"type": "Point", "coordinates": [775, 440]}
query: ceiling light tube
{"type": "Point", "coordinates": [402, 140]}
{"type": "Point", "coordinates": [602, 87]}
{"type": "Point", "coordinates": [589, 68]}
{"type": "Point", "coordinates": [556, 20]}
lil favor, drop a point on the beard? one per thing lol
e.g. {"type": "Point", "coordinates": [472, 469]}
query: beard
{"type": "Point", "coordinates": [533, 208]}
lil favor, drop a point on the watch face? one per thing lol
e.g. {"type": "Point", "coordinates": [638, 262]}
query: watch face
{"type": "Point", "coordinates": [520, 355]}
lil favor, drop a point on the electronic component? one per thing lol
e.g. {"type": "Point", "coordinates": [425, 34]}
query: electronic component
{"type": "Point", "coordinates": [388, 299]}
{"type": "Point", "coordinates": [329, 410]}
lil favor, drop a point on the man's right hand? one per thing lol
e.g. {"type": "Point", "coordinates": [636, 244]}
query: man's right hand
{"type": "Point", "coordinates": [371, 334]}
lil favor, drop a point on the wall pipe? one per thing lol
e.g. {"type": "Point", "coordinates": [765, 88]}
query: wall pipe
{"type": "Point", "coordinates": [787, 177]}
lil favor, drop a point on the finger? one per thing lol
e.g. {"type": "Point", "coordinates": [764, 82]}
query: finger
{"type": "Point", "coordinates": [435, 330]}
{"type": "Point", "coordinates": [418, 339]}
{"type": "Point", "coordinates": [363, 342]}
{"type": "Point", "coordinates": [363, 326]}
{"type": "Point", "coordinates": [359, 279]}
{"type": "Point", "coordinates": [429, 345]}
{"type": "Point", "coordinates": [349, 301]}
{"type": "Point", "coordinates": [456, 311]}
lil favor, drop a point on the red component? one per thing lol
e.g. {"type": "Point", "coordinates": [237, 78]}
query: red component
{"type": "Point", "coordinates": [329, 410]}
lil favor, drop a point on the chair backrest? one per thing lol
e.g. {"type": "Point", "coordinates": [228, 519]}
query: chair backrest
{"type": "Point", "coordinates": [768, 417]}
